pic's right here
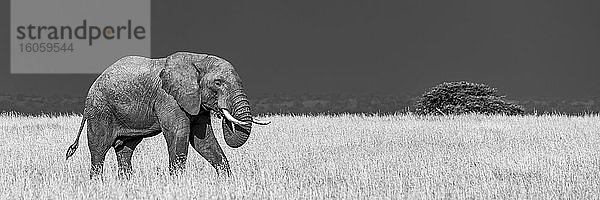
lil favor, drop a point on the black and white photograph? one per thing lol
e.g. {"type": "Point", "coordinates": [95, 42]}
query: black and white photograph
{"type": "Point", "coordinates": [329, 99]}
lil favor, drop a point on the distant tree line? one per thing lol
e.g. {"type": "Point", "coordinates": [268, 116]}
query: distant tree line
{"type": "Point", "coordinates": [315, 104]}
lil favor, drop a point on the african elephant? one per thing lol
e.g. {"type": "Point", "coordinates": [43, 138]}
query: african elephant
{"type": "Point", "coordinates": [138, 97]}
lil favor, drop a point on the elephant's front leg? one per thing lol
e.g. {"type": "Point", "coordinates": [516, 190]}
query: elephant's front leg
{"type": "Point", "coordinates": [204, 142]}
{"type": "Point", "coordinates": [176, 129]}
{"type": "Point", "coordinates": [177, 145]}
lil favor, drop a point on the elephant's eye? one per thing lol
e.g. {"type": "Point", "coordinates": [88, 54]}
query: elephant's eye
{"type": "Point", "coordinates": [218, 82]}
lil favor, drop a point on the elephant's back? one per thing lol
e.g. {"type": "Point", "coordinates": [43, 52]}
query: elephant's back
{"type": "Point", "coordinates": [128, 89]}
{"type": "Point", "coordinates": [127, 74]}
{"type": "Point", "coordinates": [128, 65]}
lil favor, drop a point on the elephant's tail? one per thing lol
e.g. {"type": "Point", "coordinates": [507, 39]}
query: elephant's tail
{"type": "Point", "coordinates": [73, 146]}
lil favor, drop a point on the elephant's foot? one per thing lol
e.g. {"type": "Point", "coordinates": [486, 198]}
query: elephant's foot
{"type": "Point", "coordinates": [223, 170]}
{"type": "Point", "coordinates": [177, 164]}
{"type": "Point", "coordinates": [96, 171]}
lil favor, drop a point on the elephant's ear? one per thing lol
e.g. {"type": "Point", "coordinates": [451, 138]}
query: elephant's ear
{"type": "Point", "coordinates": [180, 80]}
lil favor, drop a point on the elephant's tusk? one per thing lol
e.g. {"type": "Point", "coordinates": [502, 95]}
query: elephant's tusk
{"type": "Point", "coordinates": [232, 119]}
{"type": "Point", "coordinates": [260, 122]}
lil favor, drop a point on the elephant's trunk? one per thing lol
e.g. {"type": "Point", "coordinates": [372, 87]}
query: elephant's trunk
{"type": "Point", "coordinates": [236, 135]}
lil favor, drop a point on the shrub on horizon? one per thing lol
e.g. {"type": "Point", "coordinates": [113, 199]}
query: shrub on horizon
{"type": "Point", "coordinates": [452, 98]}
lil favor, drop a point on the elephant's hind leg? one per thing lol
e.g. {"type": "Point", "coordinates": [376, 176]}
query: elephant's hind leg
{"type": "Point", "coordinates": [204, 142]}
{"type": "Point", "coordinates": [124, 152]}
{"type": "Point", "coordinates": [100, 138]}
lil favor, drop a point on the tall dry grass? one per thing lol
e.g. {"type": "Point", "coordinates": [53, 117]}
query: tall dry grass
{"type": "Point", "coordinates": [345, 156]}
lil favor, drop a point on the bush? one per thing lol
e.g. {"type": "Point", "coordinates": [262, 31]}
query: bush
{"type": "Point", "coordinates": [464, 97]}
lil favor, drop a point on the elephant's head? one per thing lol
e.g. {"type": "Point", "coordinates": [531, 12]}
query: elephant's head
{"type": "Point", "coordinates": [204, 82]}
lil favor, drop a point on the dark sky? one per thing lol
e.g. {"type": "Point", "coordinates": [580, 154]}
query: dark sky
{"type": "Point", "coordinates": [527, 49]}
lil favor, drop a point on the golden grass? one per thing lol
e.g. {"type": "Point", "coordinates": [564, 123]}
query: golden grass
{"type": "Point", "coordinates": [346, 156]}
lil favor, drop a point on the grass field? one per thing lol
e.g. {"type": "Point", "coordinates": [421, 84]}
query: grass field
{"type": "Point", "coordinates": [346, 156]}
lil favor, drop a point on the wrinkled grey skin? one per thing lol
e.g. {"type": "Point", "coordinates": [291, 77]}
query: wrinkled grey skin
{"type": "Point", "coordinates": [139, 97]}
